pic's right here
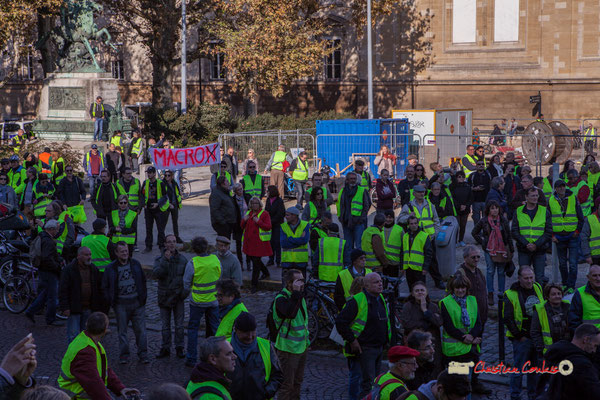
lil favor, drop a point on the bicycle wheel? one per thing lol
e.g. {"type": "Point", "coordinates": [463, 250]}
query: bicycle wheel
{"type": "Point", "coordinates": [7, 270]}
{"type": "Point", "coordinates": [17, 294]}
{"type": "Point", "coordinates": [313, 326]}
{"type": "Point", "coordinates": [373, 194]}
{"type": "Point", "coordinates": [186, 188]}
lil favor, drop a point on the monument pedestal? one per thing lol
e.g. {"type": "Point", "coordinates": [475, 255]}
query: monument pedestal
{"type": "Point", "coordinates": [63, 112]}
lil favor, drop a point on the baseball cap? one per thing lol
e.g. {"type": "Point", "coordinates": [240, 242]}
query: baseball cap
{"type": "Point", "coordinates": [150, 169]}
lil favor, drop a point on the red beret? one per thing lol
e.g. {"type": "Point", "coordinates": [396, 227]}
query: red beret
{"type": "Point", "coordinates": [397, 353]}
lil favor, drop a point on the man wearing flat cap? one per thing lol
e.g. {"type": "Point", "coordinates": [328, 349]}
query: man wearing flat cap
{"type": "Point", "coordinates": [403, 364]}
{"type": "Point", "coordinates": [230, 265]}
{"type": "Point", "coordinates": [294, 237]}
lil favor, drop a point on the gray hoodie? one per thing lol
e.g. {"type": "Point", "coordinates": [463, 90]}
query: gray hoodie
{"type": "Point", "coordinates": [426, 390]}
{"type": "Point", "coordinates": [230, 267]}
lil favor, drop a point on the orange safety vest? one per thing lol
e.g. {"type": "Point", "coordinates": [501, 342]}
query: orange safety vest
{"type": "Point", "coordinates": [45, 158]}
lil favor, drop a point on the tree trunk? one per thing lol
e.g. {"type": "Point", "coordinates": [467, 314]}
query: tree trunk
{"type": "Point", "coordinates": [44, 27]}
{"type": "Point", "coordinates": [165, 46]}
{"type": "Point", "coordinates": [162, 84]}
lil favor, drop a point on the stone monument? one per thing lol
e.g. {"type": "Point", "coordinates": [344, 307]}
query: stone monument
{"type": "Point", "coordinates": [63, 111]}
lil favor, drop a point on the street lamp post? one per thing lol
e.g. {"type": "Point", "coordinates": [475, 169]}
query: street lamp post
{"type": "Point", "coordinates": [183, 59]}
{"type": "Point", "coordinates": [369, 62]}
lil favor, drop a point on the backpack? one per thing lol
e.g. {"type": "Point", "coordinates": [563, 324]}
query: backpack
{"type": "Point", "coordinates": [375, 393]}
{"type": "Point", "coordinates": [35, 252]}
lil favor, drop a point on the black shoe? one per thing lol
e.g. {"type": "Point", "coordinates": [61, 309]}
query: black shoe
{"type": "Point", "coordinates": [179, 240]}
{"type": "Point", "coordinates": [180, 353]}
{"type": "Point", "coordinates": [30, 317]}
{"type": "Point", "coordinates": [263, 277]}
{"type": "Point", "coordinates": [163, 353]}
{"type": "Point", "coordinates": [147, 250]}
{"type": "Point", "coordinates": [479, 388]}
{"type": "Point", "coordinates": [123, 360]}
{"type": "Point", "coordinates": [56, 322]}
{"type": "Point", "coordinates": [440, 285]}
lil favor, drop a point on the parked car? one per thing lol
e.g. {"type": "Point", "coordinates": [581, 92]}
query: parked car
{"type": "Point", "coordinates": [9, 128]}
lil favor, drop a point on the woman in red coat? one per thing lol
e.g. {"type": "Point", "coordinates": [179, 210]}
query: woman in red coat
{"type": "Point", "coordinates": [256, 245]}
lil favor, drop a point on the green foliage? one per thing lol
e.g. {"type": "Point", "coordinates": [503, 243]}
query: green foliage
{"type": "Point", "coordinates": [201, 124]}
{"type": "Point", "coordinates": [268, 121]}
{"type": "Point", "coordinates": [58, 149]}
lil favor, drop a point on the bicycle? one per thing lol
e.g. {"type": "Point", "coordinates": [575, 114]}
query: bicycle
{"type": "Point", "coordinates": [185, 186]}
{"type": "Point", "coordinates": [18, 293]}
{"type": "Point", "coordinates": [391, 295]}
{"type": "Point", "coordinates": [322, 305]}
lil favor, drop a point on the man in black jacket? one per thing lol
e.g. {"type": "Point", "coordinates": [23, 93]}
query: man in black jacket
{"type": "Point", "coordinates": [105, 197]}
{"type": "Point", "coordinates": [49, 272]}
{"type": "Point", "coordinates": [71, 190]}
{"type": "Point", "coordinates": [80, 292]}
{"type": "Point", "coordinates": [124, 288]}
{"type": "Point", "coordinates": [583, 382]}
{"type": "Point", "coordinates": [364, 350]}
{"type": "Point", "coordinates": [248, 380]}
{"type": "Point", "coordinates": [480, 185]}
{"type": "Point", "coordinates": [168, 271]}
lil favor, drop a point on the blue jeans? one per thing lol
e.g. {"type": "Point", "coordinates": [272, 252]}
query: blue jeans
{"type": "Point", "coordinates": [137, 315]}
{"type": "Point", "coordinates": [98, 123]}
{"type": "Point", "coordinates": [47, 294]}
{"type": "Point", "coordinates": [76, 324]}
{"type": "Point", "coordinates": [522, 352]}
{"type": "Point", "coordinates": [537, 261]}
{"type": "Point", "coordinates": [300, 187]}
{"type": "Point", "coordinates": [212, 323]}
{"type": "Point", "coordinates": [491, 267]}
{"type": "Point", "coordinates": [353, 235]}
{"type": "Point", "coordinates": [478, 209]}
{"type": "Point", "coordinates": [93, 179]}
{"type": "Point", "coordinates": [569, 276]}
{"type": "Point", "coordinates": [354, 378]}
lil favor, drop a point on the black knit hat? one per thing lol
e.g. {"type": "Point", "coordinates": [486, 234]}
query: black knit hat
{"type": "Point", "coordinates": [245, 322]}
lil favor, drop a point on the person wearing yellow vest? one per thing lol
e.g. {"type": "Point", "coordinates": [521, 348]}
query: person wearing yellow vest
{"type": "Point", "coordinates": [124, 288]}
{"type": "Point", "coordinates": [200, 279]}
{"type": "Point", "coordinates": [364, 177]}
{"type": "Point", "coordinates": [373, 244]}
{"type": "Point", "coordinates": [99, 244]}
{"type": "Point", "coordinates": [316, 206]}
{"type": "Point", "coordinates": [581, 190]}
{"type": "Point", "coordinates": [18, 140]}
{"type": "Point", "coordinates": [567, 223]}
{"type": "Point", "coordinates": [168, 270]}
{"type": "Point", "coordinates": [346, 276]}
{"type": "Point", "coordinates": [277, 164]}
{"type": "Point", "coordinates": [156, 203]}
{"type": "Point", "coordinates": [230, 306]}
{"type": "Point", "coordinates": [416, 250]}
{"type": "Point", "coordinates": [593, 177]}
{"type": "Point", "coordinates": [532, 230]}
{"type": "Point", "coordinates": [406, 185]}
{"type": "Point", "coordinates": [252, 182]}
{"type": "Point", "coordinates": [256, 239]}
{"type": "Point", "coordinates": [66, 234]}
{"type": "Point", "coordinates": [549, 323]}
{"type": "Point", "coordinates": [122, 223]}
{"type": "Point", "coordinates": [462, 328]}
{"type": "Point", "coordinates": [518, 309]}
{"type": "Point", "coordinates": [116, 139]}
{"type": "Point", "coordinates": [16, 173]}
{"type": "Point", "coordinates": [547, 185]}
{"type": "Point", "coordinates": [257, 373]}
{"type": "Point", "coordinates": [132, 187]}
{"type": "Point", "coordinates": [392, 242]}
{"type": "Point", "coordinates": [290, 316]}
{"type": "Point", "coordinates": [364, 335]}
{"type": "Point", "coordinates": [317, 181]}
{"type": "Point", "coordinates": [71, 191]}
{"type": "Point", "coordinates": [208, 380]}
{"type": "Point", "coordinates": [590, 138]}
{"type": "Point", "coordinates": [440, 199]}
{"type": "Point", "coordinates": [46, 158]}
{"type": "Point", "coordinates": [585, 303]}
{"type": "Point", "coordinates": [294, 237]}
{"type": "Point", "coordinates": [468, 161]}
{"type": "Point", "coordinates": [590, 238]}
{"type": "Point", "coordinates": [43, 194]}
{"type": "Point", "coordinates": [221, 172]}
{"type": "Point", "coordinates": [353, 206]}
{"type": "Point", "coordinates": [104, 199]}
{"type": "Point", "coordinates": [84, 371]}
{"type": "Point", "coordinates": [331, 255]}
{"type": "Point", "coordinates": [392, 384]}
{"type": "Point", "coordinates": [299, 170]}
{"type": "Point", "coordinates": [137, 151]}
{"type": "Point", "coordinates": [429, 222]}
{"type": "Point", "coordinates": [97, 115]}
{"type": "Point", "coordinates": [174, 194]}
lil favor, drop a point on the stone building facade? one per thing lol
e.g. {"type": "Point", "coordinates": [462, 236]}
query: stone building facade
{"type": "Point", "coordinates": [485, 55]}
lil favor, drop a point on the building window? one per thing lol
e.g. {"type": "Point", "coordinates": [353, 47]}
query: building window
{"type": "Point", "coordinates": [217, 70]}
{"type": "Point", "coordinates": [464, 21]}
{"type": "Point", "coordinates": [26, 70]}
{"type": "Point", "coordinates": [506, 21]}
{"type": "Point", "coordinates": [117, 69]}
{"type": "Point", "coordinates": [333, 61]}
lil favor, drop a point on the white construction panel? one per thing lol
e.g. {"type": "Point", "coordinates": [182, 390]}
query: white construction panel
{"type": "Point", "coordinates": [464, 21]}
{"type": "Point", "coordinates": [506, 21]}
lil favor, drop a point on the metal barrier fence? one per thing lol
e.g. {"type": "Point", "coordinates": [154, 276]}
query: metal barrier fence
{"type": "Point", "coordinates": [340, 151]}
{"type": "Point", "coordinates": [264, 143]}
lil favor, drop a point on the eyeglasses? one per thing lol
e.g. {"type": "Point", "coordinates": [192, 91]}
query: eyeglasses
{"type": "Point", "coordinates": [252, 167]}
{"type": "Point", "coordinates": [68, 170]}
{"type": "Point", "coordinates": [414, 363]}
{"type": "Point", "coordinates": [122, 202]}
{"type": "Point", "coordinates": [476, 257]}
{"type": "Point", "coordinates": [419, 169]}
{"type": "Point", "coordinates": [168, 174]}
